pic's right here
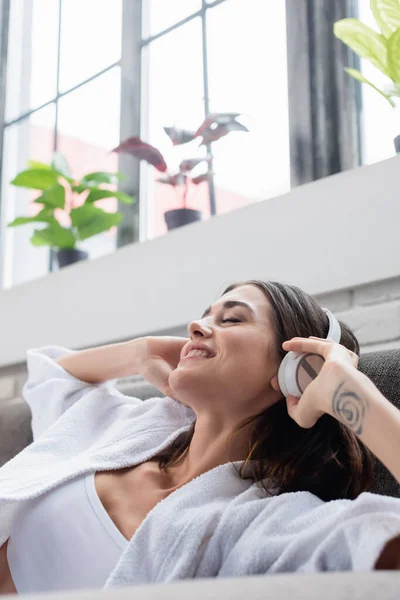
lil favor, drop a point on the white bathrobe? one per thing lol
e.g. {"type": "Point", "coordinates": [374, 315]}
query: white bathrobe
{"type": "Point", "coordinates": [217, 525]}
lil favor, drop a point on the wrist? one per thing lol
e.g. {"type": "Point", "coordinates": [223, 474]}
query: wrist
{"type": "Point", "coordinates": [341, 384]}
{"type": "Point", "coordinates": [351, 397]}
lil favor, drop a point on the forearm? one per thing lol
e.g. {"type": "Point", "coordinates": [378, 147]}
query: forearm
{"type": "Point", "coordinates": [357, 402]}
{"type": "Point", "coordinates": [97, 365]}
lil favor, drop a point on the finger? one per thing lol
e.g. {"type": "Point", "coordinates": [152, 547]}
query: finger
{"type": "Point", "coordinates": [299, 344]}
{"type": "Point", "coordinates": [314, 346]}
{"type": "Point", "coordinates": [291, 402]}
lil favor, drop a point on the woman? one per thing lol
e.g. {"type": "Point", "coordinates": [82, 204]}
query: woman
{"type": "Point", "coordinates": [116, 491]}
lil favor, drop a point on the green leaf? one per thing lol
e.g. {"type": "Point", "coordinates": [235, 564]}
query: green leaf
{"type": "Point", "coordinates": [59, 164]}
{"type": "Point", "coordinates": [46, 212]}
{"type": "Point", "coordinates": [90, 220]}
{"type": "Point", "coordinates": [93, 179]}
{"type": "Point", "coordinates": [364, 41]}
{"type": "Point", "coordinates": [34, 164]}
{"type": "Point", "coordinates": [80, 188]}
{"type": "Point", "coordinates": [42, 217]}
{"type": "Point", "coordinates": [394, 56]}
{"type": "Point", "coordinates": [37, 179]}
{"type": "Point", "coordinates": [53, 197]}
{"type": "Point", "coordinates": [55, 235]}
{"type": "Point", "coordinates": [387, 15]}
{"type": "Point", "coordinates": [98, 194]}
{"type": "Point", "coordinates": [360, 77]}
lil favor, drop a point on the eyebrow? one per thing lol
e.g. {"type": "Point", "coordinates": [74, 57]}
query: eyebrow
{"type": "Point", "coordinates": [230, 304]}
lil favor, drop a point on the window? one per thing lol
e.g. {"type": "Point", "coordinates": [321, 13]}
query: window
{"type": "Point", "coordinates": [220, 58]}
{"type": "Point", "coordinates": [73, 85]}
{"type": "Point", "coordinates": [62, 93]}
{"type": "Point", "coordinates": [245, 76]}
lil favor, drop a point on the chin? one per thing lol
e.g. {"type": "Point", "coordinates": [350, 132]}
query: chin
{"type": "Point", "coordinates": [184, 381]}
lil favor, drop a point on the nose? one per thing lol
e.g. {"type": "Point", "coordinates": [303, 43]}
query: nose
{"type": "Point", "coordinates": [199, 328]}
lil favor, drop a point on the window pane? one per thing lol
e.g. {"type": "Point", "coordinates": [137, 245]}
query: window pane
{"type": "Point", "coordinates": [32, 55]}
{"type": "Point", "coordinates": [380, 122]}
{"type": "Point", "coordinates": [174, 97]}
{"type": "Point", "coordinates": [161, 14]}
{"type": "Point", "coordinates": [91, 34]}
{"type": "Point", "coordinates": [30, 139]}
{"type": "Point", "coordinates": [89, 123]}
{"type": "Point", "coordinates": [249, 77]}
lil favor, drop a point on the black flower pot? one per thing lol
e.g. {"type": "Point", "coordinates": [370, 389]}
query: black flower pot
{"type": "Point", "coordinates": [397, 144]}
{"type": "Point", "coordinates": [181, 216]}
{"type": "Point", "coordinates": [69, 256]}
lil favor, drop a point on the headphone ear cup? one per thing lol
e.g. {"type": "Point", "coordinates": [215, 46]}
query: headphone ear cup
{"type": "Point", "coordinates": [307, 370]}
{"type": "Point", "coordinates": [297, 371]}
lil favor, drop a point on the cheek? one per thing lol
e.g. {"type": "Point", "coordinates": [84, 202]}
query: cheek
{"type": "Point", "coordinates": [248, 359]}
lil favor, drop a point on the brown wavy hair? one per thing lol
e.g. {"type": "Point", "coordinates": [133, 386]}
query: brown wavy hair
{"type": "Point", "coordinates": [327, 460]}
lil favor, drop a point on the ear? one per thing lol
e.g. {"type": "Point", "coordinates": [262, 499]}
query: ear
{"type": "Point", "coordinates": [275, 384]}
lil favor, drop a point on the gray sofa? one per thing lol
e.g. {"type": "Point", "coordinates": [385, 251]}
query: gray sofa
{"type": "Point", "coordinates": [383, 368]}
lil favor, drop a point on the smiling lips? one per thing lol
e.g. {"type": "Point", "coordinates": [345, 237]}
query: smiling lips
{"type": "Point", "coordinates": [198, 354]}
{"type": "Point", "coordinates": [197, 349]}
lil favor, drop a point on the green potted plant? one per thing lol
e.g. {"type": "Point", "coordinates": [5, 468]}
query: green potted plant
{"type": "Point", "coordinates": [59, 190]}
{"type": "Point", "coordinates": [183, 180]}
{"type": "Point", "coordinates": [381, 49]}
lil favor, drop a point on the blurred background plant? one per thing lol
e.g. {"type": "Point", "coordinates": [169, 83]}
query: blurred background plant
{"type": "Point", "coordinates": [60, 191]}
{"type": "Point", "coordinates": [190, 172]}
{"type": "Point", "coordinates": [381, 48]}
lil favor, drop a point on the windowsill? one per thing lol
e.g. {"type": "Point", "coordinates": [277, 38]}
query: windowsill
{"type": "Point", "coordinates": [335, 233]}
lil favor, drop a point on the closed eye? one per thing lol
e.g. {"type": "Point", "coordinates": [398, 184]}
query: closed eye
{"type": "Point", "coordinates": [231, 321]}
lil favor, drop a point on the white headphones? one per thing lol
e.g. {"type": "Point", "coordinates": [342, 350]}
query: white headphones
{"type": "Point", "coordinates": [298, 370]}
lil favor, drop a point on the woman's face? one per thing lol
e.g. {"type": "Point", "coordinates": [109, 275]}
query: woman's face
{"type": "Point", "coordinates": [238, 331]}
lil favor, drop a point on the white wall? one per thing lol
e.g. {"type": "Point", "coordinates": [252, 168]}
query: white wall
{"type": "Point", "coordinates": [339, 233]}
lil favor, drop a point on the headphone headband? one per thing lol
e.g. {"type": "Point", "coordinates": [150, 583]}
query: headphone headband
{"type": "Point", "coordinates": [334, 332]}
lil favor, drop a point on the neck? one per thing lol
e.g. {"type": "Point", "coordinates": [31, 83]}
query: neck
{"type": "Point", "coordinates": [210, 447]}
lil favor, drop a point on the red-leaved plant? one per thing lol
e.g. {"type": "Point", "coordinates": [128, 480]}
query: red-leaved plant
{"type": "Point", "coordinates": [213, 128]}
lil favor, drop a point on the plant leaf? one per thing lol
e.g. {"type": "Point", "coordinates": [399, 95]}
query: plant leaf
{"type": "Point", "coordinates": [53, 197]}
{"type": "Point", "coordinates": [81, 188]}
{"type": "Point", "coordinates": [93, 179]}
{"type": "Point", "coordinates": [55, 235]}
{"type": "Point", "coordinates": [216, 119]}
{"type": "Point", "coordinates": [215, 133]}
{"type": "Point", "coordinates": [59, 164]}
{"type": "Point", "coordinates": [177, 179]}
{"type": "Point", "coordinates": [40, 218]}
{"type": "Point", "coordinates": [364, 41]}
{"type": "Point", "coordinates": [189, 164]}
{"type": "Point", "coordinates": [34, 164]}
{"type": "Point", "coordinates": [393, 58]}
{"type": "Point", "coordinates": [46, 212]}
{"type": "Point", "coordinates": [203, 177]}
{"type": "Point", "coordinates": [360, 77]}
{"type": "Point", "coordinates": [36, 179]}
{"type": "Point", "coordinates": [98, 194]}
{"type": "Point", "coordinates": [179, 136]}
{"type": "Point", "coordinates": [143, 151]}
{"type": "Point", "coordinates": [387, 15]}
{"type": "Point", "coordinates": [90, 220]}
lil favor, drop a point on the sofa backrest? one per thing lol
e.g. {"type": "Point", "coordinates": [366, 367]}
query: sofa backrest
{"type": "Point", "coordinates": [383, 368]}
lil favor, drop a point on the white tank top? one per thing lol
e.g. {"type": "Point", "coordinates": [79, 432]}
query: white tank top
{"type": "Point", "coordinates": [64, 540]}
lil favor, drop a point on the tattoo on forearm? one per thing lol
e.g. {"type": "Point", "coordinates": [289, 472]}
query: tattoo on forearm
{"type": "Point", "coordinates": [350, 408]}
